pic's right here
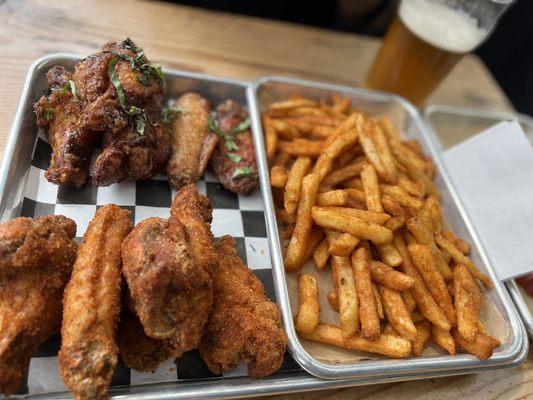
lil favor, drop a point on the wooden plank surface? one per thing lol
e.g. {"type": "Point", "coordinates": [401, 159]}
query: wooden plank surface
{"type": "Point", "coordinates": [244, 48]}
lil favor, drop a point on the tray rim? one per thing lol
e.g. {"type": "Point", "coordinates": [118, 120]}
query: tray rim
{"type": "Point", "coordinates": [230, 387]}
{"type": "Point", "coordinates": [525, 313]}
{"type": "Point", "coordinates": [377, 368]}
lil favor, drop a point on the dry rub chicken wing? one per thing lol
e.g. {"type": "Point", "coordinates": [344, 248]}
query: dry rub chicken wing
{"type": "Point", "coordinates": [233, 160]}
{"type": "Point", "coordinates": [168, 266]}
{"type": "Point", "coordinates": [139, 351]}
{"type": "Point", "coordinates": [88, 354]}
{"type": "Point", "coordinates": [244, 324]}
{"type": "Point", "coordinates": [190, 148]}
{"type": "Point", "coordinates": [61, 113]}
{"type": "Point", "coordinates": [36, 258]}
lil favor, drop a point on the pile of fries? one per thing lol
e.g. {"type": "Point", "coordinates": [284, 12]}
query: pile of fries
{"type": "Point", "coordinates": [355, 198]}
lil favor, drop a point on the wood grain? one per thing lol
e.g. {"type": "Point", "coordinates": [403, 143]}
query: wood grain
{"type": "Point", "coordinates": [245, 48]}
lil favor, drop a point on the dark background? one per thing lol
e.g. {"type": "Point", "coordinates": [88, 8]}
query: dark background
{"type": "Point", "coordinates": [508, 53]}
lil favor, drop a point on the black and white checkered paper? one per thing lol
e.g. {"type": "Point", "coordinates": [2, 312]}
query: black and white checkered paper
{"type": "Point", "coordinates": [239, 216]}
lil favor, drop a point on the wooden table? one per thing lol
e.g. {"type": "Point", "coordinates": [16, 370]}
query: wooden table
{"type": "Point", "coordinates": [245, 48]}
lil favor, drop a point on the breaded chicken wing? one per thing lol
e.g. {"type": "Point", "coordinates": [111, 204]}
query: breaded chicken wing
{"type": "Point", "coordinates": [88, 354]}
{"type": "Point", "coordinates": [36, 258]}
{"type": "Point", "coordinates": [61, 113]}
{"type": "Point", "coordinates": [168, 266]}
{"type": "Point", "coordinates": [190, 149]}
{"type": "Point", "coordinates": [139, 351]}
{"type": "Point", "coordinates": [244, 324]}
{"type": "Point", "coordinates": [233, 160]}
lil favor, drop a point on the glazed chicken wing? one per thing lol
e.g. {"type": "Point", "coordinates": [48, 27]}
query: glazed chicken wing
{"type": "Point", "coordinates": [233, 160]}
{"type": "Point", "coordinates": [244, 324]}
{"type": "Point", "coordinates": [190, 148]}
{"type": "Point", "coordinates": [36, 258]}
{"type": "Point", "coordinates": [61, 113]}
{"type": "Point", "coordinates": [88, 354]}
{"type": "Point", "coordinates": [168, 266]}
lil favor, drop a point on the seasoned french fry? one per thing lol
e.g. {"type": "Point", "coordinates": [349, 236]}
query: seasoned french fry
{"type": "Point", "coordinates": [389, 254]}
{"type": "Point", "coordinates": [302, 147]}
{"type": "Point", "coordinates": [316, 236]}
{"type": "Point", "coordinates": [347, 125]}
{"type": "Point", "coordinates": [354, 183]}
{"type": "Point", "coordinates": [461, 244]}
{"type": "Point", "coordinates": [427, 305]}
{"type": "Point", "coordinates": [379, 303]}
{"type": "Point", "coordinates": [371, 188]}
{"type": "Point", "coordinates": [409, 301]}
{"type": "Point", "coordinates": [387, 345]}
{"type": "Point", "coordinates": [397, 313]}
{"type": "Point", "coordinates": [294, 256]}
{"type": "Point", "coordinates": [294, 183]}
{"type": "Point", "coordinates": [347, 295]}
{"type": "Point", "coordinates": [285, 130]}
{"type": "Point", "coordinates": [323, 166]}
{"type": "Point", "coordinates": [369, 148]}
{"type": "Point", "coordinates": [321, 132]}
{"type": "Point", "coordinates": [467, 302]}
{"type": "Point", "coordinates": [332, 198]}
{"type": "Point", "coordinates": [341, 143]}
{"type": "Point", "coordinates": [389, 130]}
{"type": "Point", "coordinates": [371, 217]}
{"type": "Point", "coordinates": [416, 174]}
{"type": "Point", "coordinates": [345, 173]}
{"type": "Point", "coordinates": [412, 188]}
{"type": "Point", "coordinates": [387, 276]}
{"type": "Point", "coordinates": [431, 204]}
{"type": "Point", "coordinates": [282, 159]}
{"type": "Point", "coordinates": [291, 104]}
{"type": "Point", "coordinates": [460, 258]}
{"type": "Point", "coordinates": [307, 317]}
{"type": "Point", "coordinates": [482, 346]}
{"type": "Point", "coordinates": [385, 155]}
{"type": "Point", "coordinates": [271, 138]}
{"type": "Point", "coordinates": [389, 330]}
{"type": "Point", "coordinates": [320, 254]}
{"type": "Point", "coordinates": [368, 313]}
{"type": "Point", "coordinates": [424, 262]}
{"type": "Point", "coordinates": [398, 214]}
{"type": "Point", "coordinates": [343, 245]}
{"type": "Point", "coordinates": [333, 301]}
{"type": "Point", "coordinates": [287, 231]}
{"type": "Point", "coordinates": [417, 317]}
{"type": "Point", "coordinates": [423, 333]}
{"type": "Point", "coordinates": [401, 196]}
{"type": "Point", "coordinates": [358, 196]}
{"type": "Point", "coordinates": [346, 223]}
{"type": "Point", "coordinates": [443, 339]}
{"type": "Point", "coordinates": [278, 176]}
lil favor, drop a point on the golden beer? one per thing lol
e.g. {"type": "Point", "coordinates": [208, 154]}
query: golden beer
{"type": "Point", "coordinates": [422, 45]}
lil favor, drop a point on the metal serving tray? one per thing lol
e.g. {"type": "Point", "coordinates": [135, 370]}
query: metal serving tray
{"type": "Point", "coordinates": [14, 174]}
{"type": "Point", "coordinates": [315, 359]}
{"type": "Point", "coordinates": [454, 124]}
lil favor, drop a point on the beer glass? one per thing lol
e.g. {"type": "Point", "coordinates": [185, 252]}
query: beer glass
{"type": "Point", "coordinates": [427, 39]}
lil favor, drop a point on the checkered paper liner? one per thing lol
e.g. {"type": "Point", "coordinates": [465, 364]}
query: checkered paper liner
{"type": "Point", "coordinates": [236, 215]}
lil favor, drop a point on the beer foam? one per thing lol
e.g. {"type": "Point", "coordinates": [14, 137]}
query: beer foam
{"type": "Point", "coordinates": [441, 26]}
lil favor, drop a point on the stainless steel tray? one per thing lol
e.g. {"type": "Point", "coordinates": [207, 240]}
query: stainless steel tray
{"type": "Point", "coordinates": [267, 90]}
{"type": "Point", "coordinates": [454, 124]}
{"type": "Point", "coordinates": [13, 177]}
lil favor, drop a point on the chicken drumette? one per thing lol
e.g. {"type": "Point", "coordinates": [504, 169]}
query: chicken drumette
{"type": "Point", "coordinates": [244, 325]}
{"type": "Point", "coordinates": [168, 266]}
{"type": "Point", "coordinates": [36, 258]}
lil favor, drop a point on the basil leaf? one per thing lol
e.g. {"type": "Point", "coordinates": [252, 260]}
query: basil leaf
{"type": "Point", "coordinates": [73, 89]}
{"type": "Point", "coordinates": [241, 172]}
{"type": "Point", "coordinates": [213, 126]}
{"type": "Point", "coordinates": [113, 77]}
{"type": "Point", "coordinates": [245, 124]}
{"type": "Point", "coordinates": [169, 113]}
{"type": "Point", "coordinates": [234, 157]}
{"type": "Point", "coordinates": [230, 144]}
{"type": "Point", "coordinates": [140, 123]}
{"type": "Point", "coordinates": [48, 114]}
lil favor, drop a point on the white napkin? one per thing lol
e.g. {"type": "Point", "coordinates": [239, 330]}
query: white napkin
{"type": "Point", "coordinates": [493, 174]}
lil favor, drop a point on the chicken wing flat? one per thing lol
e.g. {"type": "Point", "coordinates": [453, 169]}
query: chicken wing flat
{"type": "Point", "coordinates": [88, 354]}
{"type": "Point", "coordinates": [233, 160]}
{"type": "Point", "coordinates": [61, 113]}
{"type": "Point", "coordinates": [244, 324]}
{"type": "Point", "coordinates": [139, 351]}
{"type": "Point", "coordinates": [36, 258]}
{"type": "Point", "coordinates": [168, 266]}
{"type": "Point", "coordinates": [189, 133]}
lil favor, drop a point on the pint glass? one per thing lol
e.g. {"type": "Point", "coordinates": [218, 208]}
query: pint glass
{"type": "Point", "coordinates": [427, 39]}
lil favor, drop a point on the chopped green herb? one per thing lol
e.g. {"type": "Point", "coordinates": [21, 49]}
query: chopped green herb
{"type": "Point", "coordinates": [213, 127]}
{"type": "Point", "coordinates": [113, 77]}
{"type": "Point", "coordinates": [241, 172]}
{"type": "Point", "coordinates": [245, 124]}
{"type": "Point", "coordinates": [48, 114]}
{"type": "Point", "coordinates": [230, 143]}
{"type": "Point", "coordinates": [169, 113]}
{"type": "Point", "coordinates": [234, 157]}
{"type": "Point", "coordinates": [73, 89]}
{"type": "Point", "coordinates": [140, 123]}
